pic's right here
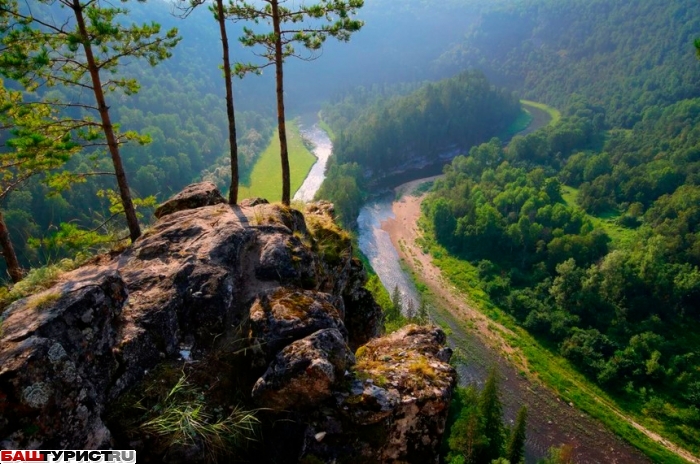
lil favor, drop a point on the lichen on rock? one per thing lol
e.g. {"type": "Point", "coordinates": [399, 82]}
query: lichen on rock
{"type": "Point", "coordinates": [264, 298]}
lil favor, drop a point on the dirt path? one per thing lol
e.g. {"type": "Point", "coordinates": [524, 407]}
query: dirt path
{"type": "Point", "coordinates": [551, 422]}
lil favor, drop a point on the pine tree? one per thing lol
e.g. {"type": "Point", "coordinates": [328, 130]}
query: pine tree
{"type": "Point", "coordinates": [515, 452]}
{"type": "Point", "coordinates": [464, 436]}
{"type": "Point", "coordinates": [82, 50]}
{"type": "Point", "coordinates": [491, 413]}
{"type": "Point", "coordinates": [411, 313]}
{"type": "Point", "coordinates": [423, 316]}
{"type": "Point", "coordinates": [36, 142]}
{"type": "Point", "coordinates": [220, 16]}
{"type": "Point", "coordinates": [396, 301]}
{"type": "Point", "coordinates": [298, 24]}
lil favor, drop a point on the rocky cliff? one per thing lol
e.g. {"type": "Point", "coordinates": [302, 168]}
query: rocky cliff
{"type": "Point", "coordinates": [213, 311]}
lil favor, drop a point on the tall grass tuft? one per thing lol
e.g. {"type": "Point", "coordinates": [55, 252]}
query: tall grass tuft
{"type": "Point", "coordinates": [36, 280]}
{"type": "Point", "coordinates": [182, 419]}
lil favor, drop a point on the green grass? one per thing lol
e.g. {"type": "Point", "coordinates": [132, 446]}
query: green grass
{"type": "Point", "coordinates": [324, 125]}
{"type": "Point", "coordinates": [37, 279]}
{"type": "Point", "coordinates": [554, 113]}
{"type": "Point", "coordinates": [622, 237]}
{"type": "Point", "coordinates": [266, 177]}
{"type": "Point", "coordinates": [520, 124]}
{"type": "Point", "coordinates": [551, 368]}
{"type": "Point", "coordinates": [182, 419]}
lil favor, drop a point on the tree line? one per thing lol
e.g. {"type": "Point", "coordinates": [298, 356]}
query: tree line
{"type": "Point", "coordinates": [378, 134]}
{"type": "Point", "coordinates": [79, 49]}
{"type": "Point", "coordinates": [610, 277]}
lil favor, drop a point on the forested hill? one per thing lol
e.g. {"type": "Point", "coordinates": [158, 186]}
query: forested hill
{"type": "Point", "coordinates": [181, 108]}
{"type": "Point", "coordinates": [622, 55]}
{"type": "Point", "coordinates": [375, 138]}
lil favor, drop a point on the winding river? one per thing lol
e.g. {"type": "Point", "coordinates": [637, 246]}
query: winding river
{"type": "Point", "coordinates": [551, 422]}
{"type": "Point", "coordinates": [322, 150]}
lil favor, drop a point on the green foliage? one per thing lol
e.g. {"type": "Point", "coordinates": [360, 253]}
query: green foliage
{"type": "Point", "coordinates": [491, 413]}
{"type": "Point", "coordinates": [394, 317]}
{"type": "Point", "coordinates": [311, 35]}
{"type": "Point", "coordinates": [181, 418]}
{"type": "Point", "coordinates": [388, 134]}
{"type": "Point", "coordinates": [615, 314]}
{"type": "Point", "coordinates": [475, 432]}
{"type": "Point", "coordinates": [376, 135]}
{"type": "Point", "coordinates": [515, 452]}
{"type": "Point", "coordinates": [344, 186]}
{"type": "Point", "coordinates": [38, 279]}
{"type": "Point", "coordinates": [547, 50]}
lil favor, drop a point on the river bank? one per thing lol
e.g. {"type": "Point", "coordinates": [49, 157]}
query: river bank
{"type": "Point", "coordinates": [387, 233]}
{"type": "Point", "coordinates": [484, 343]}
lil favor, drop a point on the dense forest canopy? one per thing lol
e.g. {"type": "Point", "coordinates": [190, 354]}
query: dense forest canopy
{"type": "Point", "coordinates": [622, 305]}
{"type": "Point", "coordinates": [624, 56]}
{"type": "Point", "coordinates": [380, 135]}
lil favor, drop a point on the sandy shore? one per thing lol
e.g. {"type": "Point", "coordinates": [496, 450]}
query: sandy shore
{"type": "Point", "coordinates": [551, 422]}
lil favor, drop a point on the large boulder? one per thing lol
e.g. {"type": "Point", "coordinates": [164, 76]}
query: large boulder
{"type": "Point", "coordinates": [193, 196]}
{"type": "Point", "coordinates": [397, 405]}
{"type": "Point", "coordinates": [282, 316]}
{"type": "Point", "coordinates": [56, 362]}
{"type": "Point", "coordinates": [305, 372]}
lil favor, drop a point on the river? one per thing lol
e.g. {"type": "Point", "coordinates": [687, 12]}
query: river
{"type": "Point", "coordinates": [323, 147]}
{"type": "Point", "coordinates": [551, 422]}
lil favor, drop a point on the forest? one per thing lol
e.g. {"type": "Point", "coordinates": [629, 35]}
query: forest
{"type": "Point", "coordinates": [589, 241]}
{"type": "Point", "coordinates": [180, 114]}
{"type": "Point", "coordinates": [381, 131]}
{"type": "Point", "coordinates": [586, 232]}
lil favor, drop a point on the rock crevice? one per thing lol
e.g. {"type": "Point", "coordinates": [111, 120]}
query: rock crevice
{"type": "Point", "coordinates": [279, 285]}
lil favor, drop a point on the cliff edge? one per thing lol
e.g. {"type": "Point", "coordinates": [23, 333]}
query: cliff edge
{"type": "Point", "coordinates": [258, 306]}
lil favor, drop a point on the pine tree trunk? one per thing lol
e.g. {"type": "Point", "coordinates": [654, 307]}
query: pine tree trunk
{"type": "Point", "coordinates": [233, 190]}
{"type": "Point", "coordinates": [8, 252]}
{"type": "Point", "coordinates": [129, 211]}
{"type": "Point", "coordinates": [279, 76]}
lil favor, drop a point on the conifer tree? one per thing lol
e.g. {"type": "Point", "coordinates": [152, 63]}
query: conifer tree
{"type": "Point", "coordinates": [491, 412]}
{"type": "Point", "coordinates": [296, 24]}
{"type": "Point", "coordinates": [35, 142]}
{"type": "Point", "coordinates": [515, 453]}
{"type": "Point", "coordinates": [396, 301]}
{"type": "Point", "coordinates": [220, 16]}
{"type": "Point", "coordinates": [80, 47]}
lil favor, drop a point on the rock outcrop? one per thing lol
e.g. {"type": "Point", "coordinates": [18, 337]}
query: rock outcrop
{"type": "Point", "coordinates": [265, 285]}
{"type": "Point", "coordinates": [396, 405]}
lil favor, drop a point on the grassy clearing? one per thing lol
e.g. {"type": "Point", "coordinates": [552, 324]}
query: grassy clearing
{"type": "Point", "coordinates": [554, 113]}
{"type": "Point", "coordinates": [622, 237]}
{"type": "Point", "coordinates": [521, 122]}
{"type": "Point", "coordinates": [547, 365]}
{"type": "Point", "coordinates": [266, 177]}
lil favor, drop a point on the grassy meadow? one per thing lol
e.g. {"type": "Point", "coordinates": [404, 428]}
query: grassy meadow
{"type": "Point", "coordinates": [266, 178]}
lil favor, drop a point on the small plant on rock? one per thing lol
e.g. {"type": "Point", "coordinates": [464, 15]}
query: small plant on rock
{"type": "Point", "coordinates": [182, 419]}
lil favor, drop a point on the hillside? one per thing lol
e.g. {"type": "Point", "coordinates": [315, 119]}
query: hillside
{"type": "Point", "coordinates": [623, 56]}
